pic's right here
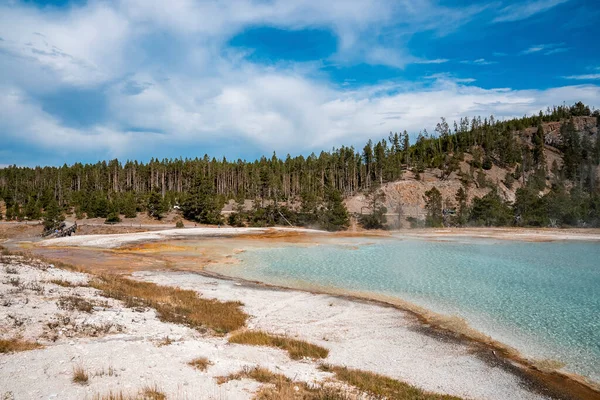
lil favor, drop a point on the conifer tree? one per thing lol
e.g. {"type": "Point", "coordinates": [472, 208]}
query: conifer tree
{"type": "Point", "coordinates": [461, 200]}
{"type": "Point", "coordinates": [376, 219]}
{"type": "Point", "coordinates": [129, 206]}
{"type": "Point", "coordinates": [33, 209]}
{"type": "Point", "coordinates": [539, 157]}
{"type": "Point", "coordinates": [156, 206]}
{"type": "Point", "coordinates": [9, 212]}
{"type": "Point", "coordinates": [596, 151]}
{"type": "Point", "coordinates": [334, 215]}
{"type": "Point", "coordinates": [571, 148]}
{"type": "Point", "coordinates": [433, 205]}
{"type": "Point", "coordinates": [203, 205]}
{"type": "Point", "coordinates": [490, 210]}
{"type": "Point", "coordinates": [52, 215]}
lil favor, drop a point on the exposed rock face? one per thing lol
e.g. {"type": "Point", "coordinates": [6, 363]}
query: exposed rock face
{"type": "Point", "coordinates": [584, 125]}
{"type": "Point", "coordinates": [406, 197]}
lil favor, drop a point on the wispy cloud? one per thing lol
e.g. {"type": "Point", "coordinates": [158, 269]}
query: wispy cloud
{"type": "Point", "coordinates": [435, 61]}
{"type": "Point", "coordinates": [555, 51]}
{"type": "Point", "coordinates": [479, 61]}
{"type": "Point", "coordinates": [446, 76]}
{"type": "Point", "coordinates": [525, 9]}
{"type": "Point", "coordinates": [549, 48]}
{"type": "Point", "coordinates": [533, 49]}
{"type": "Point", "coordinates": [584, 77]}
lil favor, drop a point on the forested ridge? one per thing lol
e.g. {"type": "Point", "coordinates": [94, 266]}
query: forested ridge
{"type": "Point", "coordinates": [309, 190]}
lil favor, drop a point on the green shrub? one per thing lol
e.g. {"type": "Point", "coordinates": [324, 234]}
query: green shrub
{"type": "Point", "coordinates": [112, 218]}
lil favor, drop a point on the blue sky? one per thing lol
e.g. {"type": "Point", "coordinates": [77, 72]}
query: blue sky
{"type": "Point", "coordinates": [135, 79]}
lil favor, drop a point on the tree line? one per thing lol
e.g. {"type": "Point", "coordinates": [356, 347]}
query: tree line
{"type": "Point", "coordinates": [309, 190]}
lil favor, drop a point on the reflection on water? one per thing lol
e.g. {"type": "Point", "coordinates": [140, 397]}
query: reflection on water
{"type": "Point", "coordinates": [541, 298]}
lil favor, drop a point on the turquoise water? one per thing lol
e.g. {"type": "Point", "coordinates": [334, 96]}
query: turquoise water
{"type": "Point", "coordinates": [541, 298]}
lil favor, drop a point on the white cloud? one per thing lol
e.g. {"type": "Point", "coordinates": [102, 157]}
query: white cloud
{"type": "Point", "coordinates": [479, 61]}
{"type": "Point", "coordinates": [94, 43]}
{"type": "Point", "coordinates": [445, 76]}
{"type": "Point", "coordinates": [434, 61]}
{"type": "Point", "coordinates": [584, 77]}
{"type": "Point", "coordinates": [361, 26]}
{"type": "Point", "coordinates": [395, 58]}
{"type": "Point", "coordinates": [555, 51]}
{"type": "Point", "coordinates": [24, 120]}
{"type": "Point", "coordinates": [83, 46]}
{"type": "Point", "coordinates": [533, 49]}
{"type": "Point", "coordinates": [550, 48]}
{"type": "Point", "coordinates": [525, 9]}
{"type": "Point", "coordinates": [272, 111]}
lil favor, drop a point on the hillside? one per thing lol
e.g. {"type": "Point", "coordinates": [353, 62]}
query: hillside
{"type": "Point", "coordinates": [406, 197]}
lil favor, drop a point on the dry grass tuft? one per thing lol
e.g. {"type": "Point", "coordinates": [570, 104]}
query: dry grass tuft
{"type": "Point", "coordinates": [147, 393]}
{"type": "Point", "coordinates": [80, 375]}
{"type": "Point", "coordinates": [165, 341]}
{"type": "Point", "coordinates": [152, 393]}
{"type": "Point", "coordinates": [62, 282]}
{"type": "Point", "coordinates": [200, 363]}
{"type": "Point", "coordinates": [278, 386]}
{"type": "Point", "coordinates": [300, 391]}
{"type": "Point", "coordinates": [71, 303]}
{"type": "Point", "coordinates": [259, 374]}
{"type": "Point", "coordinates": [15, 344]}
{"type": "Point", "coordinates": [113, 396]}
{"type": "Point", "coordinates": [35, 287]}
{"type": "Point", "coordinates": [174, 305]}
{"type": "Point", "coordinates": [110, 372]}
{"type": "Point", "coordinates": [297, 349]}
{"type": "Point", "coordinates": [381, 386]}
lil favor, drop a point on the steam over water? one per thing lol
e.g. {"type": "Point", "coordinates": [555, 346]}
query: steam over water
{"type": "Point", "coordinates": [541, 298]}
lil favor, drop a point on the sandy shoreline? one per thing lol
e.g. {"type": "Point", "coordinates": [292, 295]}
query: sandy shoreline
{"type": "Point", "coordinates": [452, 366]}
{"type": "Point", "coordinates": [109, 241]}
{"type": "Point", "coordinates": [122, 239]}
